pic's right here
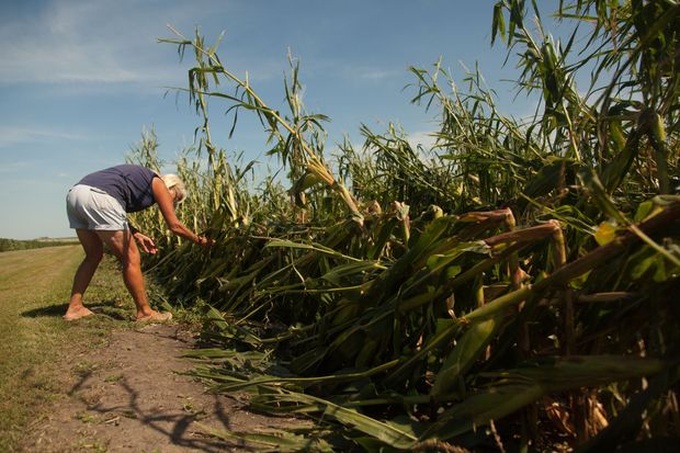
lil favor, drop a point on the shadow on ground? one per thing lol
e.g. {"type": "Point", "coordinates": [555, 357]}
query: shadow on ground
{"type": "Point", "coordinates": [135, 394]}
{"type": "Point", "coordinates": [109, 308]}
{"type": "Point", "coordinates": [173, 422]}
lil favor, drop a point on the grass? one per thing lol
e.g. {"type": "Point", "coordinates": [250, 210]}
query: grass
{"type": "Point", "coordinates": [34, 289]}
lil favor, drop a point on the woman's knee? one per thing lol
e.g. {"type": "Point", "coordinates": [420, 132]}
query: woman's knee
{"type": "Point", "coordinates": [131, 258]}
{"type": "Point", "coordinates": [94, 256]}
{"type": "Point", "coordinates": [92, 246]}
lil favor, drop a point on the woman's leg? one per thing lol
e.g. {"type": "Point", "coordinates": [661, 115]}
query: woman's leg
{"type": "Point", "coordinates": [123, 245]}
{"type": "Point", "coordinates": [94, 250]}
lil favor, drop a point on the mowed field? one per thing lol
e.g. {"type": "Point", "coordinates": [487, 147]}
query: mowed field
{"type": "Point", "coordinates": [34, 288]}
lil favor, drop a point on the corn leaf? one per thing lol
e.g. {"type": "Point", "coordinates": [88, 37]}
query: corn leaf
{"type": "Point", "coordinates": [519, 387]}
{"type": "Point", "coordinates": [271, 440]}
{"type": "Point", "coordinates": [468, 349]}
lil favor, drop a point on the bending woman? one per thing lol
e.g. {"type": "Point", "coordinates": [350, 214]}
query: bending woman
{"type": "Point", "coordinates": [97, 208]}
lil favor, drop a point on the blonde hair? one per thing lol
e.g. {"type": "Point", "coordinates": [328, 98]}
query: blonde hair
{"type": "Point", "coordinates": [172, 181]}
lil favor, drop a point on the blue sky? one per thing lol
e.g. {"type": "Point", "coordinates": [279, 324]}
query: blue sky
{"type": "Point", "coordinates": [81, 79]}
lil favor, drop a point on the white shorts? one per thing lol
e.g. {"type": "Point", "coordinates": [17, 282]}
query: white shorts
{"type": "Point", "coordinates": [89, 208]}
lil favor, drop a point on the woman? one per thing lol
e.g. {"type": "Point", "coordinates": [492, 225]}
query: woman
{"type": "Point", "coordinates": [97, 209]}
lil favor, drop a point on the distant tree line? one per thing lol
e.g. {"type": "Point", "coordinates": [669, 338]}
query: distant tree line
{"type": "Point", "coordinates": [7, 245]}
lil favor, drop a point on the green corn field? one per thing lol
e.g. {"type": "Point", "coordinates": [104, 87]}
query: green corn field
{"type": "Point", "coordinates": [513, 288]}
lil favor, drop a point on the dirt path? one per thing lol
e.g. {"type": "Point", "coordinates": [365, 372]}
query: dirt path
{"type": "Point", "coordinates": [128, 396]}
{"type": "Point", "coordinates": [101, 384]}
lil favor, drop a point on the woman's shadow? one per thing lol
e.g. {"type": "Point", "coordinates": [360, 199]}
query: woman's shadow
{"type": "Point", "coordinates": [109, 308]}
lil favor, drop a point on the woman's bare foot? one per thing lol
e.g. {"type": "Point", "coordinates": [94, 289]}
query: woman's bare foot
{"type": "Point", "coordinates": [156, 316]}
{"type": "Point", "coordinates": [76, 313]}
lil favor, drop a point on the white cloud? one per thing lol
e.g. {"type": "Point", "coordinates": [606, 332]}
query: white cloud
{"type": "Point", "coordinates": [84, 42]}
{"type": "Point", "coordinates": [91, 45]}
{"type": "Point", "coordinates": [375, 74]}
{"type": "Point", "coordinates": [423, 139]}
{"type": "Point", "coordinates": [14, 167]}
{"type": "Point", "coordinates": [11, 136]}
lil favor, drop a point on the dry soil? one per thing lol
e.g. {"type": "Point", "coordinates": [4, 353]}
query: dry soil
{"type": "Point", "coordinates": [131, 395]}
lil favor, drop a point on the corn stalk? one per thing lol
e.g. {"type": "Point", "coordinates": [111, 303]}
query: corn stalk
{"type": "Point", "coordinates": [277, 127]}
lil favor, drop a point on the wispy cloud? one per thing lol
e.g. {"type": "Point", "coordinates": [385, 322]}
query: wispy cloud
{"type": "Point", "coordinates": [424, 139]}
{"type": "Point", "coordinates": [83, 42]}
{"type": "Point", "coordinates": [377, 74]}
{"type": "Point", "coordinates": [12, 136]}
{"type": "Point", "coordinates": [14, 167]}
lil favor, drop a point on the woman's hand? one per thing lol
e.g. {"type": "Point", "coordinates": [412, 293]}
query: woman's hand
{"type": "Point", "coordinates": [205, 241]}
{"type": "Point", "coordinates": [146, 243]}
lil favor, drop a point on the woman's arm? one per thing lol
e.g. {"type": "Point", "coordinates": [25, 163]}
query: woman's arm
{"type": "Point", "coordinates": [145, 242]}
{"type": "Point", "coordinates": [165, 203]}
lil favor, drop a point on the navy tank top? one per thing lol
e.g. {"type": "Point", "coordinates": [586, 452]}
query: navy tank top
{"type": "Point", "coordinates": [129, 184]}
